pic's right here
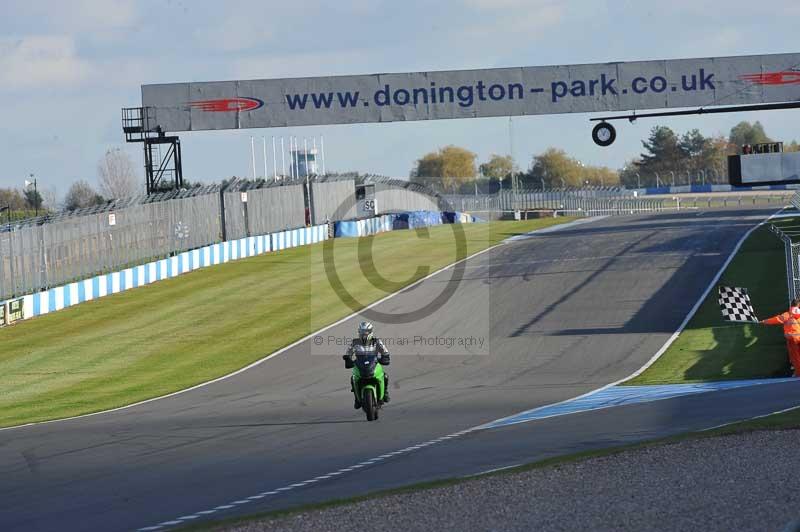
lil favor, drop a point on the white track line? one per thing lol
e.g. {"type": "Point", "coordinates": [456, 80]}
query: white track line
{"type": "Point", "coordinates": [752, 418]}
{"type": "Point", "coordinates": [290, 487]}
{"type": "Point", "coordinates": [549, 229]}
{"type": "Point", "coordinates": [460, 433]}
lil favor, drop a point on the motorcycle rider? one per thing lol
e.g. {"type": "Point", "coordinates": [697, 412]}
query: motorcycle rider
{"type": "Point", "coordinates": [365, 345]}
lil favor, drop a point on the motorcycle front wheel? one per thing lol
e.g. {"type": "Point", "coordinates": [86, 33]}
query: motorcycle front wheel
{"type": "Point", "coordinates": [369, 404]}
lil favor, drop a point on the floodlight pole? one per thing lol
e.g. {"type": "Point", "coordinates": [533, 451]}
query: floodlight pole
{"type": "Point", "coordinates": [283, 160]}
{"type": "Point", "coordinates": [274, 160]}
{"type": "Point", "coordinates": [322, 150]}
{"type": "Point", "coordinates": [264, 142]}
{"type": "Point", "coordinates": [253, 155]}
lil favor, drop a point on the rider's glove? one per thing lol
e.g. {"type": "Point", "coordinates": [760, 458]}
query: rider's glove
{"type": "Point", "coordinates": [385, 359]}
{"type": "Point", "coordinates": [348, 361]}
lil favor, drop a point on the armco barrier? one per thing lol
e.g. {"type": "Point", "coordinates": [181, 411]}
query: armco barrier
{"type": "Point", "coordinates": [61, 297]}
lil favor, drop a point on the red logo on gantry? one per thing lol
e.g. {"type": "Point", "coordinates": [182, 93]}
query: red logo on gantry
{"type": "Point", "coordinates": [784, 77]}
{"type": "Point", "coordinates": [225, 105]}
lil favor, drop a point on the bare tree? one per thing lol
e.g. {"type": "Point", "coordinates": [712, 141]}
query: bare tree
{"type": "Point", "coordinates": [50, 198]}
{"type": "Point", "coordinates": [116, 174]}
{"type": "Point", "coordinates": [80, 195]}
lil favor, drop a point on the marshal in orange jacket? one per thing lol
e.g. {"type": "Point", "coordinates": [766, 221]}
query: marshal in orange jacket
{"type": "Point", "coordinates": [791, 324]}
{"type": "Point", "coordinates": [791, 330]}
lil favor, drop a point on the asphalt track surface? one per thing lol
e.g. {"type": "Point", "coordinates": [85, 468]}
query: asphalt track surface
{"type": "Point", "coordinates": [563, 313]}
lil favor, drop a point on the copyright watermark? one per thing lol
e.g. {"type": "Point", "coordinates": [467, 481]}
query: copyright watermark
{"type": "Point", "coordinates": [394, 258]}
{"type": "Point", "coordinates": [393, 342]}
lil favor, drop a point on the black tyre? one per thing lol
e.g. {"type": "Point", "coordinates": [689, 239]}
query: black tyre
{"type": "Point", "coordinates": [370, 404]}
{"type": "Point", "coordinates": [604, 134]}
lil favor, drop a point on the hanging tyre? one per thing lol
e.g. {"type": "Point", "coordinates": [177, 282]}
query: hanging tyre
{"type": "Point", "coordinates": [604, 134]}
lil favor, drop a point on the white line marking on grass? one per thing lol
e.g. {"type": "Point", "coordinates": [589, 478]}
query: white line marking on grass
{"type": "Point", "coordinates": [282, 350]}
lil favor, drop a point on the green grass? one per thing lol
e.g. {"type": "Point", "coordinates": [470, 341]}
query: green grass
{"type": "Point", "coordinates": [180, 332]}
{"type": "Point", "coordinates": [711, 349]}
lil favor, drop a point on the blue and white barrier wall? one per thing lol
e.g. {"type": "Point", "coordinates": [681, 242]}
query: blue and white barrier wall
{"type": "Point", "coordinates": [370, 226]}
{"type": "Point", "coordinates": [699, 189]}
{"type": "Point", "coordinates": [394, 222]}
{"type": "Point", "coordinates": [61, 297]}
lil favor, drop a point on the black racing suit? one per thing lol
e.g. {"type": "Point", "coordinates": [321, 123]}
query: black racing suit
{"type": "Point", "coordinates": [373, 346]}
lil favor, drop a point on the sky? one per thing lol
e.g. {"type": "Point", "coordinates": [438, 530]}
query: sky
{"type": "Point", "coordinates": [67, 68]}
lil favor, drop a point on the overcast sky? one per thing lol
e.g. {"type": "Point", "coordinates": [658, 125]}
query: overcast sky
{"type": "Point", "coordinates": [66, 69]}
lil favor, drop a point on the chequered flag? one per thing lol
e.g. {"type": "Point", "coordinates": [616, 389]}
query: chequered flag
{"type": "Point", "coordinates": [735, 304]}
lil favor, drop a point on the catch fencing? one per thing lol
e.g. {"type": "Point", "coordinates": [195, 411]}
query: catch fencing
{"type": "Point", "coordinates": [264, 210]}
{"type": "Point", "coordinates": [35, 257]}
{"type": "Point", "coordinates": [391, 198]}
{"type": "Point", "coordinates": [579, 202]}
{"type": "Point", "coordinates": [789, 232]}
{"type": "Point", "coordinates": [588, 202]}
{"type": "Point", "coordinates": [57, 249]}
{"type": "Point", "coordinates": [333, 200]}
{"type": "Point", "coordinates": [38, 254]}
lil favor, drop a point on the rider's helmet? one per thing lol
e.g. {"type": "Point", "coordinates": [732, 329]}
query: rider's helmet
{"type": "Point", "coordinates": [365, 331]}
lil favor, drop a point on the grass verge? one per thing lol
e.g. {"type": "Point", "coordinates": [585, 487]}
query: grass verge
{"type": "Point", "coordinates": [784, 421]}
{"type": "Point", "coordinates": [180, 332]}
{"type": "Point", "coordinates": [710, 349]}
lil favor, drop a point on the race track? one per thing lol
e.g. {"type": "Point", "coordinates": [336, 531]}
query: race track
{"type": "Point", "coordinates": [563, 313]}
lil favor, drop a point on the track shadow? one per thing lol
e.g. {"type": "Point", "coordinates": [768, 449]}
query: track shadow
{"type": "Point", "coordinates": [764, 354]}
{"type": "Point", "coordinates": [663, 310]}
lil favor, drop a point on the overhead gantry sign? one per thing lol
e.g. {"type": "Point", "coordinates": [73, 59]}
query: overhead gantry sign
{"type": "Point", "coordinates": [758, 80]}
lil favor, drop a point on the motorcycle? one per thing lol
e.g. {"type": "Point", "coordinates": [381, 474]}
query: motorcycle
{"type": "Point", "coordinates": [368, 384]}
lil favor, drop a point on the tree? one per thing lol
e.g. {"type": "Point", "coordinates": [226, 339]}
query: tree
{"type": "Point", "coordinates": [553, 168]}
{"type": "Point", "coordinates": [33, 200]}
{"type": "Point", "coordinates": [430, 165]}
{"type": "Point", "coordinates": [11, 197]}
{"type": "Point", "coordinates": [81, 195]}
{"type": "Point", "coordinates": [117, 175]}
{"type": "Point", "coordinates": [451, 166]}
{"type": "Point", "coordinates": [49, 198]}
{"type": "Point", "coordinates": [792, 146]}
{"type": "Point", "coordinates": [714, 158]}
{"type": "Point", "coordinates": [746, 133]}
{"type": "Point", "coordinates": [663, 151]}
{"type": "Point", "coordinates": [498, 167]}
{"type": "Point", "coordinates": [630, 175]}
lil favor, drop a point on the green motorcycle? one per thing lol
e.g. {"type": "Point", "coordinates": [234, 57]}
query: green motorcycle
{"type": "Point", "coordinates": [368, 384]}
